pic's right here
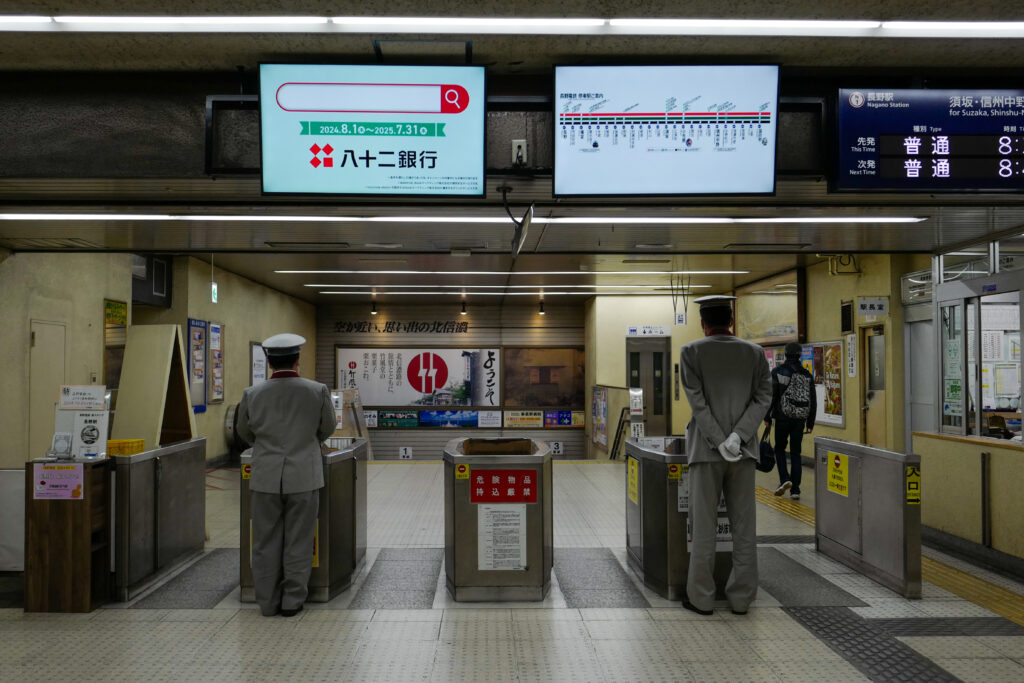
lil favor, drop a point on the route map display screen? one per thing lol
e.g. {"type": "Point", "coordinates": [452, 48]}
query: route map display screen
{"type": "Point", "coordinates": [665, 130]}
{"type": "Point", "coordinates": [372, 130]}
{"type": "Point", "coordinates": [930, 140]}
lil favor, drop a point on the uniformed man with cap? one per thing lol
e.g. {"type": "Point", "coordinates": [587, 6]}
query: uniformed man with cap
{"type": "Point", "coordinates": [728, 385]}
{"type": "Point", "coordinates": [285, 419]}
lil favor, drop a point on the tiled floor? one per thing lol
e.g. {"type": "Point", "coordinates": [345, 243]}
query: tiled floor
{"type": "Point", "coordinates": [817, 621]}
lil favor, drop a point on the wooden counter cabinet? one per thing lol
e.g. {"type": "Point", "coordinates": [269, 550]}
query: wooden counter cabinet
{"type": "Point", "coordinates": [67, 544]}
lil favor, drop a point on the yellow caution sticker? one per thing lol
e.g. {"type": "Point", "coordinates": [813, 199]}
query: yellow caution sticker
{"type": "Point", "coordinates": [634, 480]}
{"type": "Point", "coordinates": [839, 474]}
{"type": "Point", "coordinates": [675, 471]}
{"type": "Point", "coordinates": [913, 484]}
{"type": "Point", "coordinates": [462, 471]}
{"type": "Point", "coordinates": [247, 471]}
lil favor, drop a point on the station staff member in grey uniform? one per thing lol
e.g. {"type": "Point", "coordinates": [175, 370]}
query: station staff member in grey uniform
{"type": "Point", "coordinates": [285, 419]}
{"type": "Point", "coordinates": [729, 388]}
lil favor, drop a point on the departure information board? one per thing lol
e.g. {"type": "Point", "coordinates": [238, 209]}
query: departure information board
{"type": "Point", "coordinates": [665, 130]}
{"type": "Point", "coordinates": [391, 130]}
{"type": "Point", "coordinates": [931, 140]}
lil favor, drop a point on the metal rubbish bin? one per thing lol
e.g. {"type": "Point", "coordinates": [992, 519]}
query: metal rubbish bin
{"type": "Point", "coordinates": [868, 511]}
{"type": "Point", "coordinates": [498, 531]}
{"type": "Point", "coordinates": [339, 542]}
{"type": "Point", "coordinates": [657, 499]}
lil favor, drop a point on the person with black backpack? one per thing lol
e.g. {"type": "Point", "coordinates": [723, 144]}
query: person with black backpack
{"type": "Point", "coordinates": [794, 406]}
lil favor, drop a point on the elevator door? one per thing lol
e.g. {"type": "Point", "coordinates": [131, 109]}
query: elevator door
{"type": "Point", "coordinates": [647, 366]}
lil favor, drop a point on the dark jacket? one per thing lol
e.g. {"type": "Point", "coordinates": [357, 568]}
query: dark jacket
{"type": "Point", "coordinates": [780, 380]}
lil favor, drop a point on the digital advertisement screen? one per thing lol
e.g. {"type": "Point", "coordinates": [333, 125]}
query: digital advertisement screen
{"type": "Point", "coordinates": [930, 140]}
{"type": "Point", "coordinates": [665, 130]}
{"type": "Point", "coordinates": [365, 130]}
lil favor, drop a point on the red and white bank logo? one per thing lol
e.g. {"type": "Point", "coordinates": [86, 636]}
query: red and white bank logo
{"type": "Point", "coordinates": [327, 160]}
{"type": "Point", "coordinates": [352, 365]}
{"type": "Point", "coordinates": [427, 373]}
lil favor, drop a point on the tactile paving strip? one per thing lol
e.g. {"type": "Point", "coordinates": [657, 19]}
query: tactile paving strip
{"type": "Point", "coordinates": [784, 505]}
{"type": "Point", "coordinates": [994, 598]}
{"type": "Point", "coordinates": [873, 651]}
{"type": "Point", "coordinates": [939, 626]}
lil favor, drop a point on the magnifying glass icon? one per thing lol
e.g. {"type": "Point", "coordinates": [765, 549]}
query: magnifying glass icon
{"type": "Point", "coordinates": [451, 96]}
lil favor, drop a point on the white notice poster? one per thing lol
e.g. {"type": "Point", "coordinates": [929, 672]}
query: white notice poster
{"type": "Point", "coordinates": [489, 418]}
{"type": "Point", "coordinates": [501, 537]}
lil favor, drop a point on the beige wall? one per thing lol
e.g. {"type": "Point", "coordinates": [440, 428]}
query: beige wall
{"type": "Point", "coordinates": [249, 312]}
{"type": "Point", "coordinates": [65, 288]}
{"type": "Point", "coordinates": [951, 489]}
{"type": "Point", "coordinates": [606, 320]}
{"type": "Point", "coordinates": [879, 276]}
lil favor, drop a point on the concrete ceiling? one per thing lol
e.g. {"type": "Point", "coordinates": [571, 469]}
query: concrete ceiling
{"type": "Point", "coordinates": [506, 54]}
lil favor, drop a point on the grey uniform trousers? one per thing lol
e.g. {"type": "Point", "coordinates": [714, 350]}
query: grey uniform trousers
{"type": "Point", "coordinates": [707, 482]}
{"type": "Point", "coordinates": [282, 547]}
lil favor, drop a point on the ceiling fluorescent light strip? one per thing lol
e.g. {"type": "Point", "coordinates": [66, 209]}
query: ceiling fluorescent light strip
{"type": "Point", "coordinates": [456, 293]}
{"type": "Point", "coordinates": [858, 28]}
{"type": "Point", "coordinates": [498, 220]}
{"type": "Point", "coordinates": [508, 273]}
{"type": "Point", "coordinates": [398, 286]}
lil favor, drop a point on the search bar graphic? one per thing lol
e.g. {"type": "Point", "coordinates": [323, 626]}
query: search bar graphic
{"type": "Point", "coordinates": [373, 98]}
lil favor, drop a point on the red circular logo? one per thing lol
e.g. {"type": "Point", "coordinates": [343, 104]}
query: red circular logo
{"type": "Point", "coordinates": [836, 462]}
{"type": "Point", "coordinates": [427, 373]}
{"type": "Point", "coordinates": [461, 468]}
{"type": "Point", "coordinates": [352, 365]}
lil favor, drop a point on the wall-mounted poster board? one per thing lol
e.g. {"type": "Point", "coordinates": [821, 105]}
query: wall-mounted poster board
{"type": "Point", "coordinates": [824, 360]}
{"type": "Point", "coordinates": [544, 378]}
{"type": "Point", "coordinates": [599, 412]}
{"type": "Point", "coordinates": [197, 361]}
{"type": "Point", "coordinates": [421, 377]}
{"type": "Point", "coordinates": [770, 311]}
{"type": "Point", "coordinates": [216, 344]}
{"type": "Point", "coordinates": [258, 372]}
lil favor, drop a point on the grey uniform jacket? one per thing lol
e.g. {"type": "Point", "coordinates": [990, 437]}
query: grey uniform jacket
{"type": "Point", "coordinates": [286, 419]}
{"type": "Point", "coordinates": [729, 388]}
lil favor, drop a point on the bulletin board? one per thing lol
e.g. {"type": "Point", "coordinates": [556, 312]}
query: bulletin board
{"type": "Point", "coordinates": [216, 362]}
{"type": "Point", "coordinates": [197, 370]}
{"type": "Point", "coordinates": [257, 364]}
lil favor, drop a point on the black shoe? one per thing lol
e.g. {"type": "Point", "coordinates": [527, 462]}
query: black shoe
{"type": "Point", "coordinates": [739, 613]}
{"type": "Point", "coordinates": [693, 608]}
{"type": "Point", "coordinates": [291, 612]}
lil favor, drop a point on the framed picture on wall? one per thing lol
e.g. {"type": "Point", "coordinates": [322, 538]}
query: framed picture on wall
{"type": "Point", "coordinates": [544, 378]}
{"type": "Point", "coordinates": [216, 373]}
{"type": "Point", "coordinates": [771, 311]}
{"type": "Point", "coordinates": [257, 364]}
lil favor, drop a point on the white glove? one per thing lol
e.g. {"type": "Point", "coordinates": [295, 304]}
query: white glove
{"type": "Point", "coordinates": [730, 448]}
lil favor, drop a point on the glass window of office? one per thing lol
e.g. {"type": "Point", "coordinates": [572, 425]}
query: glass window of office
{"type": "Point", "coordinates": [965, 264]}
{"type": "Point", "coordinates": [1000, 365]}
{"type": "Point", "coordinates": [1011, 254]}
{"type": "Point", "coordinates": [952, 318]}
